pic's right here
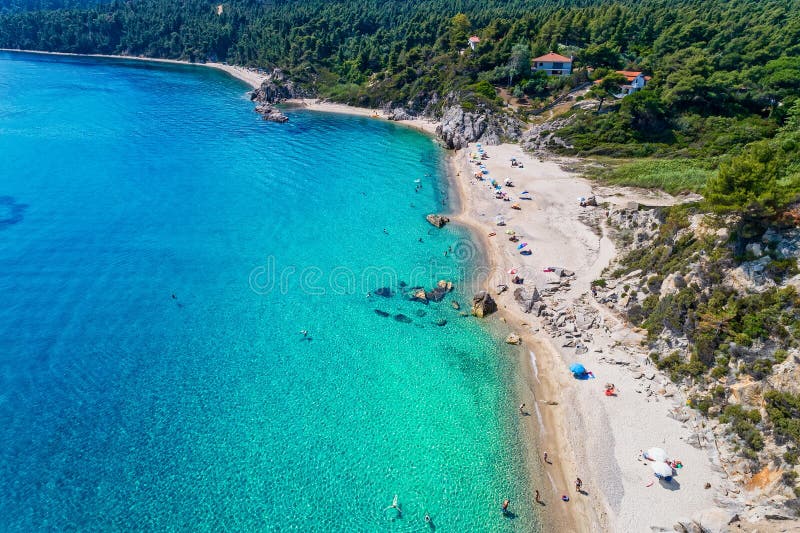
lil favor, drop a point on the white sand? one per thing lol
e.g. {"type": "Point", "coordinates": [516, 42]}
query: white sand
{"type": "Point", "coordinates": [588, 435]}
{"type": "Point", "coordinates": [426, 126]}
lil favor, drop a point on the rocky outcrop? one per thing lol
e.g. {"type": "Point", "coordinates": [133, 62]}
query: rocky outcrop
{"type": "Point", "coordinates": [483, 304]}
{"type": "Point", "coordinates": [513, 339]}
{"type": "Point", "coordinates": [437, 220]}
{"type": "Point", "coordinates": [278, 88]}
{"type": "Point", "coordinates": [270, 113]}
{"type": "Point", "coordinates": [399, 113]}
{"type": "Point", "coordinates": [544, 136]}
{"type": "Point", "coordinates": [459, 127]}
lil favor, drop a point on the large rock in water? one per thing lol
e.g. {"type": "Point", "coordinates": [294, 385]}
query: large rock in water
{"type": "Point", "coordinates": [270, 113]}
{"type": "Point", "coordinates": [437, 220]}
{"type": "Point", "coordinates": [483, 304]}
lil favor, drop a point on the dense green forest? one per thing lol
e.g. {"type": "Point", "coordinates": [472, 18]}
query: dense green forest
{"type": "Point", "coordinates": [724, 72]}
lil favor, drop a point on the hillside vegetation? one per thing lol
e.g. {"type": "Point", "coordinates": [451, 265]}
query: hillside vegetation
{"type": "Point", "coordinates": [723, 72]}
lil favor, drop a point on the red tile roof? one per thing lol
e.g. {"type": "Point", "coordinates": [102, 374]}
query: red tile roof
{"type": "Point", "coordinates": [474, 39]}
{"type": "Point", "coordinates": [630, 75]}
{"type": "Point", "coordinates": [552, 57]}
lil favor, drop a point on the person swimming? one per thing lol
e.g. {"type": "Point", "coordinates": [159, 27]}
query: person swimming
{"type": "Point", "coordinates": [395, 505]}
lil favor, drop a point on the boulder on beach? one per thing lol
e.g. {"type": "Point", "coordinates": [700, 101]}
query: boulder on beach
{"type": "Point", "coordinates": [483, 304]}
{"type": "Point", "coordinates": [513, 339]}
{"type": "Point", "coordinates": [437, 220]}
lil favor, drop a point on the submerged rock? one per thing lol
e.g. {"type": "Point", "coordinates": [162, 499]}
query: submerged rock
{"type": "Point", "coordinates": [441, 322]}
{"type": "Point", "coordinates": [386, 292]}
{"type": "Point", "coordinates": [270, 113]}
{"type": "Point", "coordinates": [421, 312]}
{"type": "Point", "coordinates": [381, 313]}
{"type": "Point", "coordinates": [400, 317]}
{"type": "Point", "coordinates": [436, 295]}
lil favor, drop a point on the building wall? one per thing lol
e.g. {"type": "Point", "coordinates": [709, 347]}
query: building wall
{"type": "Point", "coordinates": [554, 69]}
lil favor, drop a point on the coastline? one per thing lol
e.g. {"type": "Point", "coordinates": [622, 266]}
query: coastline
{"type": "Point", "coordinates": [581, 428]}
{"type": "Point", "coordinates": [541, 429]}
{"type": "Point", "coordinates": [313, 104]}
{"type": "Point", "coordinates": [249, 76]}
{"type": "Point", "coordinates": [585, 433]}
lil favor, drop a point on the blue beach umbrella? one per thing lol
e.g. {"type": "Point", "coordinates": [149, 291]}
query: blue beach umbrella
{"type": "Point", "coordinates": [577, 369]}
{"type": "Point", "coordinates": [521, 246]}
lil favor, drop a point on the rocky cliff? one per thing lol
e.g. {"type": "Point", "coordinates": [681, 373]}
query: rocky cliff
{"type": "Point", "coordinates": [278, 88]}
{"type": "Point", "coordinates": [723, 327]}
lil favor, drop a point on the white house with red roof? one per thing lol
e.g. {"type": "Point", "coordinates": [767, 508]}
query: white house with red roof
{"type": "Point", "coordinates": [635, 81]}
{"type": "Point", "coordinates": [553, 64]}
{"type": "Point", "coordinates": [473, 41]}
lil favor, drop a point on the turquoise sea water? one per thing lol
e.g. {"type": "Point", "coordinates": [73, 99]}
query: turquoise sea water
{"type": "Point", "coordinates": [123, 407]}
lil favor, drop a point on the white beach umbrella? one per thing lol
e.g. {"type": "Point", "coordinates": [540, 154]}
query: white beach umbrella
{"type": "Point", "coordinates": [661, 469]}
{"type": "Point", "coordinates": [657, 454]}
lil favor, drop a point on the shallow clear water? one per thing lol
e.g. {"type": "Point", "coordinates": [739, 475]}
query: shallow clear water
{"type": "Point", "coordinates": [121, 406]}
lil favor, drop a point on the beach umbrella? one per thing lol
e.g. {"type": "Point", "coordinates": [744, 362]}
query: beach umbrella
{"type": "Point", "coordinates": [661, 469]}
{"type": "Point", "coordinates": [512, 271]}
{"type": "Point", "coordinates": [522, 245]}
{"type": "Point", "coordinates": [577, 369]}
{"type": "Point", "coordinates": [510, 232]}
{"type": "Point", "coordinates": [524, 192]}
{"type": "Point", "coordinates": [656, 454]}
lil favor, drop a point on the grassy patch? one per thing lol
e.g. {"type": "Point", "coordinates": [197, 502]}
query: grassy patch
{"type": "Point", "coordinates": [671, 175]}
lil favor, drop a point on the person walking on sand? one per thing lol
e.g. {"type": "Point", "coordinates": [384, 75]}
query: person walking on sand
{"type": "Point", "coordinates": [506, 502]}
{"type": "Point", "coordinates": [522, 408]}
{"type": "Point", "coordinates": [578, 485]}
{"type": "Point", "coordinates": [546, 460]}
{"type": "Point", "coordinates": [537, 498]}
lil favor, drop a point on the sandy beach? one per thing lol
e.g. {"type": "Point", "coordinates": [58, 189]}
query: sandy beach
{"type": "Point", "coordinates": [586, 434]}
{"type": "Point", "coordinates": [423, 125]}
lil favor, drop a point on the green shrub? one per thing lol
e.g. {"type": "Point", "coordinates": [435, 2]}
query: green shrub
{"type": "Point", "coordinates": [759, 369]}
{"type": "Point", "coordinates": [790, 456]}
{"type": "Point", "coordinates": [671, 175]}
{"type": "Point", "coordinates": [783, 409]}
{"type": "Point", "coordinates": [743, 423]}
